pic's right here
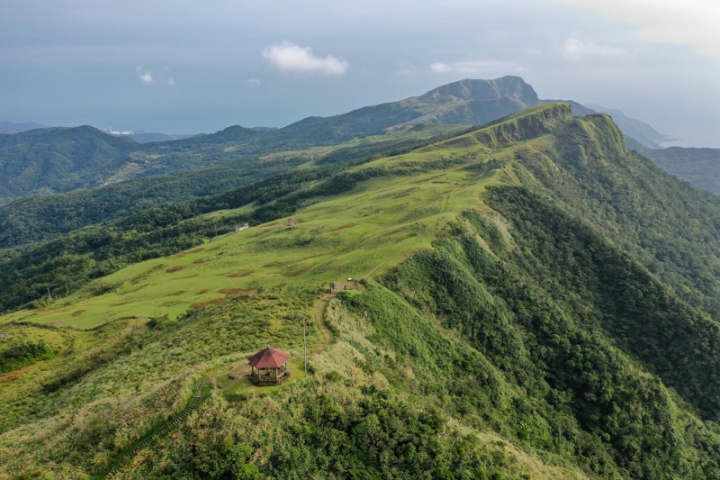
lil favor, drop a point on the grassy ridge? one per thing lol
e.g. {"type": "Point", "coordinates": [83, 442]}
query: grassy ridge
{"type": "Point", "coordinates": [553, 342]}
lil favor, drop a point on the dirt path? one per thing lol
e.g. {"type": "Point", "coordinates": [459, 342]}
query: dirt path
{"type": "Point", "coordinates": [321, 325]}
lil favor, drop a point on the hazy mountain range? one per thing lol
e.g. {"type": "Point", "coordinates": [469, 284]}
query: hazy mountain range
{"type": "Point", "coordinates": [56, 160]}
{"type": "Point", "coordinates": [9, 128]}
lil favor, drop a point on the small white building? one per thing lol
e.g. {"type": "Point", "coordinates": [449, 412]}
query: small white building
{"type": "Point", "coordinates": [242, 227]}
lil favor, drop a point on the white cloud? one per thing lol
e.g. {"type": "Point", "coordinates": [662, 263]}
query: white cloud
{"type": "Point", "coordinates": [574, 49]}
{"type": "Point", "coordinates": [147, 78]}
{"type": "Point", "coordinates": [253, 82]}
{"type": "Point", "coordinates": [288, 57]}
{"type": "Point", "coordinates": [438, 67]}
{"type": "Point", "coordinates": [687, 22]}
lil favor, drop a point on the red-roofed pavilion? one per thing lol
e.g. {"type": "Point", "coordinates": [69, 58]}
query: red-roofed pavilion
{"type": "Point", "coordinates": [269, 366]}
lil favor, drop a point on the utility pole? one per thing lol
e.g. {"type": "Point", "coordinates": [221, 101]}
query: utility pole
{"type": "Point", "coordinates": [305, 349]}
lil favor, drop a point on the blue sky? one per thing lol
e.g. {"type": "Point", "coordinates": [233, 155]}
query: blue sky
{"type": "Point", "coordinates": [190, 66]}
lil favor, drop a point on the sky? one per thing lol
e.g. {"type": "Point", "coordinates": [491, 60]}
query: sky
{"type": "Point", "coordinates": [186, 66]}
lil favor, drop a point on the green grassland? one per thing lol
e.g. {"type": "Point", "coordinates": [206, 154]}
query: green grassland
{"type": "Point", "coordinates": [511, 323]}
{"type": "Point", "coordinates": [359, 235]}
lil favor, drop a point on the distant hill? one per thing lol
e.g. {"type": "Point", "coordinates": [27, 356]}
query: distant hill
{"type": "Point", "coordinates": [484, 90]}
{"type": "Point", "coordinates": [54, 160]}
{"type": "Point", "coordinates": [9, 128]}
{"type": "Point", "coordinates": [699, 166]}
{"type": "Point", "coordinates": [467, 102]}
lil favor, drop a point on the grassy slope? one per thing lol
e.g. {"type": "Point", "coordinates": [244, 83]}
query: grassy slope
{"type": "Point", "coordinates": [357, 235]}
{"type": "Point", "coordinates": [418, 344]}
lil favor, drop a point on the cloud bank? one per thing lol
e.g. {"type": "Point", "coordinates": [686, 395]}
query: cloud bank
{"type": "Point", "coordinates": [289, 57]}
{"type": "Point", "coordinates": [574, 49]}
{"type": "Point", "coordinates": [688, 22]}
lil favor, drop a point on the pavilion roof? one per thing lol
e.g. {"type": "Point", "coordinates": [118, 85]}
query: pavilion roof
{"type": "Point", "coordinates": [269, 358]}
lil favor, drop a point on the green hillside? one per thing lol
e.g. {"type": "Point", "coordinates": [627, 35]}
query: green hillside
{"type": "Point", "coordinates": [536, 301]}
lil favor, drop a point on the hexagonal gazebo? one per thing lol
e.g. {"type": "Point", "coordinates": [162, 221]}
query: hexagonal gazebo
{"type": "Point", "coordinates": [269, 366]}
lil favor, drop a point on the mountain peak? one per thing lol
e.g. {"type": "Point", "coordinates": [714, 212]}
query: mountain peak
{"type": "Point", "coordinates": [483, 90]}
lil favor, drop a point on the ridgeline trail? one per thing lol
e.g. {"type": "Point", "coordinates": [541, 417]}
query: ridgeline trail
{"type": "Point", "coordinates": [319, 314]}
